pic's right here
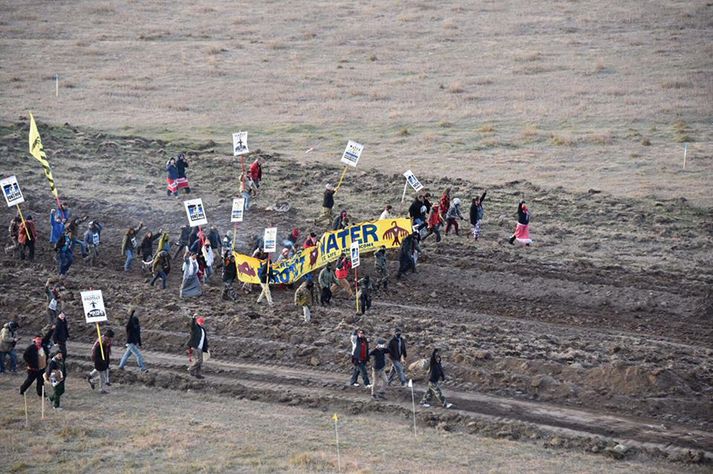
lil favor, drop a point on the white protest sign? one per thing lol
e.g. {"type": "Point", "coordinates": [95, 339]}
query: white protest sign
{"type": "Point", "coordinates": [354, 250]}
{"type": "Point", "coordinates": [236, 214]}
{"type": "Point", "coordinates": [352, 153]}
{"type": "Point", "coordinates": [11, 191]}
{"type": "Point", "coordinates": [413, 181]}
{"type": "Point", "coordinates": [240, 143]}
{"type": "Point", "coordinates": [93, 303]}
{"type": "Point", "coordinates": [269, 240]}
{"type": "Point", "coordinates": [195, 212]}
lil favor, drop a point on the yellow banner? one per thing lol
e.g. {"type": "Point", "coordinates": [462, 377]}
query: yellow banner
{"type": "Point", "coordinates": [38, 151]}
{"type": "Point", "coordinates": [370, 235]}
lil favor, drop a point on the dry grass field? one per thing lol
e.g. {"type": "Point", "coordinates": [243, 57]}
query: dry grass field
{"type": "Point", "coordinates": [578, 94]}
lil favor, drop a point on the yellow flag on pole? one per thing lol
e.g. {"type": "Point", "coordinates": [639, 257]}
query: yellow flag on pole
{"type": "Point", "coordinates": [38, 151]}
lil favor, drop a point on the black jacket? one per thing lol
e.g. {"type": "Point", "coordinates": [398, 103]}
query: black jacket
{"type": "Point", "coordinates": [146, 247]}
{"type": "Point", "coordinates": [379, 356]}
{"type": "Point", "coordinates": [435, 373]}
{"type": "Point", "coordinates": [99, 362]}
{"type": "Point", "coordinates": [214, 238]}
{"type": "Point", "coordinates": [30, 354]}
{"type": "Point", "coordinates": [61, 331]}
{"type": "Point", "coordinates": [523, 217]}
{"type": "Point", "coordinates": [229, 270]}
{"type": "Point", "coordinates": [356, 355]}
{"type": "Point", "coordinates": [328, 200]}
{"type": "Point", "coordinates": [394, 351]}
{"type": "Point", "coordinates": [56, 365]}
{"type": "Point", "coordinates": [414, 211]}
{"type": "Point", "coordinates": [133, 331]}
{"type": "Point", "coordinates": [196, 332]}
{"type": "Point", "coordinates": [181, 165]}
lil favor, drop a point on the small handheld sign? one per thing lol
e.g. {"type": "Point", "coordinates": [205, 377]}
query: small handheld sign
{"type": "Point", "coordinates": [236, 214]}
{"type": "Point", "coordinates": [240, 143]}
{"type": "Point", "coordinates": [270, 240]}
{"type": "Point", "coordinates": [354, 251]}
{"type": "Point", "coordinates": [352, 153]}
{"type": "Point", "coordinates": [195, 212]}
{"type": "Point", "coordinates": [11, 191]}
{"type": "Point", "coordinates": [413, 181]}
{"type": "Point", "coordinates": [93, 304]}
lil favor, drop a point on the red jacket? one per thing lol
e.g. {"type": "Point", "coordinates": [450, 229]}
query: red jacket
{"type": "Point", "coordinates": [343, 273]}
{"type": "Point", "coordinates": [435, 218]}
{"type": "Point", "coordinates": [256, 171]}
{"type": "Point", "coordinates": [445, 202]}
{"type": "Point", "coordinates": [22, 235]}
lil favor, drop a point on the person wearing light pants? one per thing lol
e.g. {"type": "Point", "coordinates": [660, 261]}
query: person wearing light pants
{"type": "Point", "coordinates": [133, 342]}
{"type": "Point", "coordinates": [303, 297]}
{"type": "Point", "coordinates": [378, 377]}
{"type": "Point", "coordinates": [101, 361]}
{"type": "Point", "coordinates": [197, 345]}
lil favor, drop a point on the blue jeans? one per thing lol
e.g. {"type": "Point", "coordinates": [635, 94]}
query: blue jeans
{"type": "Point", "coordinates": [132, 349]}
{"type": "Point", "coordinates": [13, 360]}
{"type": "Point", "coordinates": [65, 261]}
{"type": "Point", "coordinates": [246, 196]}
{"type": "Point", "coordinates": [162, 275]}
{"type": "Point", "coordinates": [129, 259]}
{"type": "Point", "coordinates": [397, 370]}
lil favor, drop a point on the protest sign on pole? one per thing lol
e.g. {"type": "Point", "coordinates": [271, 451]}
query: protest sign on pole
{"type": "Point", "coordinates": [94, 312]}
{"type": "Point", "coordinates": [11, 191]}
{"type": "Point", "coordinates": [413, 181]}
{"type": "Point", "coordinates": [354, 253]}
{"type": "Point", "coordinates": [269, 240]}
{"type": "Point", "coordinates": [352, 153]}
{"type": "Point", "coordinates": [195, 212]}
{"type": "Point", "coordinates": [240, 143]}
{"type": "Point", "coordinates": [236, 214]}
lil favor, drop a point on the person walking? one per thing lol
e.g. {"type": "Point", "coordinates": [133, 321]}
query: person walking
{"type": "Point", "coordinates": [397, 356]}
{"type": "Point", "coordinates": [344, 265]}
{"type": "Point", "coordinates": [248, 189]}
{"type": "Point", "coordinates": [378, 377]}
{"type": "Point", "coordinates": [133, 342]}
{"type": "Point", "coordinates": [208, 258]}
{"type": "Point", "coordinates": [161, 267]}
{"type": "Point", "coordinates": [146, 246]}
{"type": "Point", "coordinates": [435, 376]}
{"type": "Point", "coordinates": [36, 356]}
{"type": "Point", "coordinates": [453, 215]}
{"type": "Point", "coordinates": [92, 240]}
{"type": "Point", "coordinates": [256, 171]}
{"type": "Point", "coordinates": [327, 205]}
{"type": "Point", "coordinates": [182, 242]}
{"type": "Point", "coordinates": [55, 305]}
{"type": "Point", "coordinates": [409, 248]}
{"type": "Point", "coordinates": [182, 180]}
{"type": "Point", "coordinates": [476, 214]}
{"type": "Point", "coordinates": [26, 237]}
{"type": "Point", "coordinates": [381, 266]}
{"type": "Point", "coordinates": [172, 171]}
{"type": "Point", "coordinates": [360, 357]}
{"type": "Point", "coordinates": [326, 280]}
{"type": "Point", "coordinates": [435, 222]}
{"type": "Point", "coordinates": [364, 289]}
{"type": "Point", "coordinates": [12, 231]}
{"type": "Point", "coordinates": [55, 376]}
{"type": "Point", "coordinates": [8, 341]}
{"type": "Point", "coordinates": [522, 229]}
{"type": "Point", "coordinates": [56, 226]}
{"type": "Point", "coordinates": [190, 284]}
{"type": "Point", "coordinates": [101, 362]}
{"type": "Point", "coordinates": [265, 277]}
{"type": "Point", "coordinates": [129, 244]}
{"type": "Point", "coordinates": [303, 297]}
{"type": "Point", "coordinates": [197, 345]}
{"type": "Point", "coordinates": [445, 202]}
{"type": "Point", "coordinates": [61, 334]}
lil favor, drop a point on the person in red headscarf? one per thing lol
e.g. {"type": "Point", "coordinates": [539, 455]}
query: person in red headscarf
{"type": "Point", "coordinates": [197, 345]}
{"type": "Point", "coordinates": [435, 222]}
{"type": "Point", "coordinates": [522, 230]}
{"type": "Point", "coordinates": [256, 172]}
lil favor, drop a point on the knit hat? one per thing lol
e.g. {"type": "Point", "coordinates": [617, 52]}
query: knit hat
{"type": "Point", "coordinates": [397, 331]}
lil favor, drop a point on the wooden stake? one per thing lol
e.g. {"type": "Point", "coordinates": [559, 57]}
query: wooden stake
{"type": "Point", "coordinates": [56, 85]}
{"type": "Point", "coordinates": [336, 434]}
{"type": "Point", "coordinates": [341, 178]}
{"type": "Point", "coordinates": [685, 152]}
{"type": "Point", "coordinates": [413, 405]}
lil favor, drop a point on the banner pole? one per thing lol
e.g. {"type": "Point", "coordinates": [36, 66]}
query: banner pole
{"type": "Point", "coordinates": [403, 196]}
{"type": "Point", "coordinates": [22, 218]}
{"type": "Point", "coordinates": [341, 178]}
{"type": "Point", "coordinates": [356, 288]}
{"type": "Point", "coordinates": [101, 346]}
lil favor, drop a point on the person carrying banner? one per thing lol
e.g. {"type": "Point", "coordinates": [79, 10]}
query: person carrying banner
{"type": "Point", "coordinates": [61, 334]}
{"type": "Point", "coordinates": [522, 230]}
{"type": "Point", "coordinates": [435, 376]}
{"type": "Point", "coordinates": [129, 244]}
{"type": "Point", "coordinates": [230, 273]}
{"type": "Point", "coordinates": [378, 376]}
{"type": "Point", "coordinates": [197, 345]}
{"type": "Point", "coordinates": [476, 214]}
{"type": "Point", "coordinates": [397, 355]}
{"type": "Point", "coordinates": [35, 356]}
{"type": "Point", "coordinates": [386, 213]}
{"type": "Point", "coordinates": [191, 284]}
{"type": "Point", "coordinates": [327, 205]}
{"type": "Point", "coordinates": [8, 341]}
{"type": "Point", "coordinates": [26, 237]}
{"type": "Point", "coordinates": [382, 269]}
{"type": "Point", "coordinates": [304, 298]}
{"type": "Point", "coordinates": [55, 375]}
{"type": "Point", "coordinates": [341, 221]}
{"type": "Point", "coordinates": [161, 267]}
{"type": "Point", "coordinates": [343, 267]}
{"type": "Point", "coordinates": [265, 277]}
{"type": "Point", "coordinates": [182, 180]}
{"type": "Point", "coordinates": [256, 171]}
{"type": "Point", "coordinates": [310, 241]}
{"type": "Point", "coordinates": [101, 362]}
{"type": "Point", "coordinates": [133, 342]}
{"type": "Point", "coordinates": [453, 215]}
{"type": "Point", "coordinates": [172, 171]}
{"type": "Point", "coordinates": [360, 357]}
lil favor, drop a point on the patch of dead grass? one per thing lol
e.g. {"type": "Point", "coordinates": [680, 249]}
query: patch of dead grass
{"type": "Point", "coordinates": [455, 87]}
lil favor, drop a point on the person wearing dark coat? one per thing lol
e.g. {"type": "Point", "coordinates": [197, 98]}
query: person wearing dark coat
{"type": "Point", "coordinates": [230, 274]}
{"type": "Point", "coordinates": [197, 345]}
{"type": "Point", "coordinates": [55, 376]}
{"type": "Point", "coordinates": [409, 248]}
{"type": "Point", "coordinates": [36, 356]}
{"type": "Point", "coordinates": [378, 377]}
{"type": "Point", "coordinates": [435, 376]}
{"type": "Point", "coordinates": [182, 180]}
{"type": "Point", "coordinates": [327, 205]}
{"type": "Point", "coordinates": [101, 362]}
{"type": "Point", "coordinates": [61, 334]}
{"type": "Point", "coordinates": [146, 247]}
{"type": "Point", "coordinates": [133, 342]}
{"type": "Point", "coordinates": [360, 357]}
{"type": "Point", "coordinates": [183, 239]}
{"type": "Point", "coordinates": [397, 354]}
{"type": "Point", "coordinates": [476, 215]}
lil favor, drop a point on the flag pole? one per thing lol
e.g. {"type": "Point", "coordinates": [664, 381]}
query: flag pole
{"type": "Point", "coordinates": [341, 178]}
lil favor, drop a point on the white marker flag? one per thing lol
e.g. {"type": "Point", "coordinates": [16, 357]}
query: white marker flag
{"type": "Point", "coordinates": [352, 153]}
{"type": "Point", "coordinates": [354, 251]}
{"type": "Point", "coordinates": [236, 214]}
{"type": "Point", "coordinates": [269, 240]}
{"type": "Point", "coordinates": [11, 191]}
{"type": "Point", "coordinates": [240, 143]}
{"type": "Point", "coordinates": [195, 212]}
{"type": "Point", "coordinates": [93, 304]}
{"type": "Point", "coordinates": [413, 181]}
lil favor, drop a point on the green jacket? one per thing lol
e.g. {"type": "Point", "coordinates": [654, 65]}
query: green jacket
{"type": "Point", "coordinates": [326, 278]}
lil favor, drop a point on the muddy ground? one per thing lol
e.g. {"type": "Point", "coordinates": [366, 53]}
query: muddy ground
{"type": "Point", "coordinates": [610, 311]}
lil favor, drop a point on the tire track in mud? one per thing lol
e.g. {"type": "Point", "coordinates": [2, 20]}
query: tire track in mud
{"type": "Point", "coordinates": [325, 391]}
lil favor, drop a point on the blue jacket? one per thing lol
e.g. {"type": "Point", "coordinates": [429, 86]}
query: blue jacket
{"type": "Point", "coordinates": [57, 228]}
{"type": "Point", "coordinates": [172, 171]}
